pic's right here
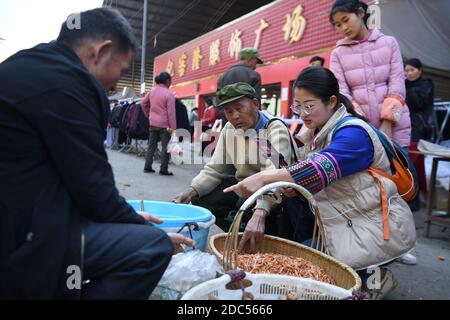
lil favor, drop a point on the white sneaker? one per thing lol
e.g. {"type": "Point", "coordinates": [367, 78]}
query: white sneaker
{"type": "Point", "coordinates": [408, 259]}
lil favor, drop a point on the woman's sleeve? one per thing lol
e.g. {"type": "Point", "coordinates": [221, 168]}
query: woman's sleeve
{"type": "Point", "coordinates": [350, 151]}
{"type": "Point", "coordinates": [396, 80]}
{"type": "Point", "coordinates": [145, 105]}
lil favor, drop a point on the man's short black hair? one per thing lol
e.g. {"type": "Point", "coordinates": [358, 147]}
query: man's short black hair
{"type": "Point", "coordinates": [317, 58]}
{"type": "Point", "coordinates": [99, 24]}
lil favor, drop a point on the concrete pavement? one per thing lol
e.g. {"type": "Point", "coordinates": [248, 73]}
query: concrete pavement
{"type": "Point", "coordinates": [429, 279]}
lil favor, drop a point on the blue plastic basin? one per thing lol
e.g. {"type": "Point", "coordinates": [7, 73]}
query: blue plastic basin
{"type": "Point", "coordinates": [176, 216]}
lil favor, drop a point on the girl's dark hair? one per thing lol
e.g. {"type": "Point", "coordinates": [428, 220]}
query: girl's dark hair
{"type": "Point", "coordinates": [349, 6]}
{"type": "Point", "coordinates": [322, 83]}
{"type": "Point", "coordinates": [162, 78]}
{"type": "Point", "coordinates": [416, 63]}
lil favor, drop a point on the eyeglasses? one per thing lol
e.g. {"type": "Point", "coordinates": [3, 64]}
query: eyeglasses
{"type": "Point", "coordinates": [298, 109]}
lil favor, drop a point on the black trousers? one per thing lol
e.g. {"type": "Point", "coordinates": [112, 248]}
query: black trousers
{"type": "Point", "coordinates": [223, 206]}
{"type": "Point", "coordinates": [123, 261]}
{"type": "Point", "coordinates": [156, 135]}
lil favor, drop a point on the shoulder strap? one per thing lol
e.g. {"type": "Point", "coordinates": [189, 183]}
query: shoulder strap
{"type": "Point", "coordinates": [291, 140]}
{"type": "Point", "coordinates": [342, 121]}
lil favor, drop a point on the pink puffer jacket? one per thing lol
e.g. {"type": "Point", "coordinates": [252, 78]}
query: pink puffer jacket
{"type": "Point", "coordinates": [367, 72]}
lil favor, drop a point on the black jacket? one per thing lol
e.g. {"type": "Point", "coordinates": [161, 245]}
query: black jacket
{"type": "Point", "coordinates": [419, 98]}
{"type": "Point", "coordinates": [181, 115]}
{"type": "Point", "coordinates": [241, 73]}
{"type": "Point", "coordinates": [53, 170]}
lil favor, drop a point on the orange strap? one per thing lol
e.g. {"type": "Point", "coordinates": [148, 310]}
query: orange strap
{"type": "Point", "coordinates": [384, 203]}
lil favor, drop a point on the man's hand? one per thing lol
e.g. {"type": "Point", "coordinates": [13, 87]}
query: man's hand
{"type": "Point", "coordinates": [179, 241]}
{"type": "Point", "coordinates": [254, 232]}
{"type": "Point", "coordinates": [170, 130]}
{"type": "Point", "coordinates": [151, 218]}
{"type": "Point", "coordinates": [186, 196]}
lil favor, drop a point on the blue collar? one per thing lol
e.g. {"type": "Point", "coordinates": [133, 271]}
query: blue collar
{"type": "Point", "coordinates": [263, 120]}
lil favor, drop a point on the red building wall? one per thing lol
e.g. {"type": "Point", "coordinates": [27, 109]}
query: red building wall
{"type": "Point", "coordinates": [283, 59]}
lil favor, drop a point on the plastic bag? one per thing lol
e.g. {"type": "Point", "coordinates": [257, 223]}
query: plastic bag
{"type": "Point", "coordinates": [185, 271]}
{"type": "Point", "coordinates": [175, 150]}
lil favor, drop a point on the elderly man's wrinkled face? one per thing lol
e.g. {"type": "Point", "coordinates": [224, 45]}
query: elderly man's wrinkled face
{"type": "Point", "coordinates": [242, 113]}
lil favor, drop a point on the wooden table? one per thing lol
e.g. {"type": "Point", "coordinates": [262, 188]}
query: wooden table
{"type": "Point", "coordinates": [443, 220]}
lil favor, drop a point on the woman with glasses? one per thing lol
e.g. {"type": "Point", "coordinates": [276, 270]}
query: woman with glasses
{"type": "Point", "coordinates": [335, 157]}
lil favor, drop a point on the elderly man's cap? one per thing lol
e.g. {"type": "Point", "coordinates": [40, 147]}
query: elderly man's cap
{"type": "Point", "coordinates": [233, 92]}
{"type": "Point", "coordinates": [250, 53]}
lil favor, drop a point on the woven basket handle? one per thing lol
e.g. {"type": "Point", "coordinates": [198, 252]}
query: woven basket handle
{"type": "Point", "coordinates": [276, 185]}
{"type": "Point", "coordinates": [231, 241]}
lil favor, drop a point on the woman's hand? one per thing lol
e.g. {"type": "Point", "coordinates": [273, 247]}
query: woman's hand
{"type": "Point", "coordinates": [254, 232]}
{"type": "Point", "coordinates": [250, 185]}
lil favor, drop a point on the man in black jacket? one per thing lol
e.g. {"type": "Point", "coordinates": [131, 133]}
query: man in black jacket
{"type": "Point", "coordinates": [65, 232]}
{"type": "Point", "coordinates": [244, 71]}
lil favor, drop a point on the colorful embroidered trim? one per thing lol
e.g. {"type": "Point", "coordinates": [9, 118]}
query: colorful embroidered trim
{"type": "Point", "coordinates": [316, 173]}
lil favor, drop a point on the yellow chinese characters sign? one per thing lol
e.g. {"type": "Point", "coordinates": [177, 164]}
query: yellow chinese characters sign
{"type": "Point", "coordinates": [295, 25]}
{"type": "Point", "coordinates": [293, 28]}
{"type": "Point", "coordinates": [214, 53]}
{"type": "Point", "coordinates": [262, 26]}
{"type": "Point", "coordinates": [235, 44]}
{"type": "Point", "coordinates": [169, 68]}
{"type": "Point", "coordinates": [182, 64]}
{"type": "Point", "coordinates": [196, 58]}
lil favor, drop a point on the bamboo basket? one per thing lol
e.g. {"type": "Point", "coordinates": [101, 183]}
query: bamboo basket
{"type": "Point", "coordinates": [225, 244]}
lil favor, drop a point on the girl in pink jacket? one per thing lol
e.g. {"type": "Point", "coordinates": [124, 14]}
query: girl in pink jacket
{"type": "Point", "coordinates": [369, 68]}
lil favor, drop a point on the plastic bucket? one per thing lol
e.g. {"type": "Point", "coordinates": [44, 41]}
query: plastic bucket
{"type": "Point", "coordinates": [176, 216]}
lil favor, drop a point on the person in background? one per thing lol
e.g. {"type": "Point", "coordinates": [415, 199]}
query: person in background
{"type": "Point", "coordinates": [210, 115]}
{"type": "Point", "coordinates": [193, 117]}
{"type": "Point", "coordinates": [317, 61]}
{"type": "Point", "coordinates": [244, 71]}
{"type": "Point", "coordinates": [65, 232]}
{"type": "Point", "coordinates": [369, 67]}
{"type": "Point", "coordinates": [264, 109]}
{"type": "Point", "coordinates": [159, 106]}
{"type": "Point", "coordinates": [181, 115]}
{"type": "Point", "coordinates": [419, 98]}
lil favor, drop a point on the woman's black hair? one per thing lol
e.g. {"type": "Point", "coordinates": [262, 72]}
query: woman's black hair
{"type": "Point", "coordinates": [416, 63]}
{"type": "Point", "coordinates": [349, 6]}
{"type": "Point", "coordinates": [322, 83]}
{"type": "Point", "coordinates": [162, 78]}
